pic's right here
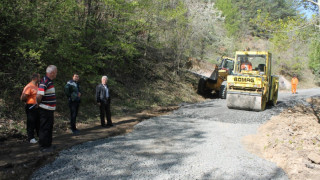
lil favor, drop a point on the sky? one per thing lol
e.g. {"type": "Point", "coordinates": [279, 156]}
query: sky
{"type": "Point", "coordinates": [308, 13]}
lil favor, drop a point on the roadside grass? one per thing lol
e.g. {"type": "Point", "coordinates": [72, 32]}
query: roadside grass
{"type": "Point", "coordinates": [128, 99]}
{"type": "Point", "coordinates": [308, 80]}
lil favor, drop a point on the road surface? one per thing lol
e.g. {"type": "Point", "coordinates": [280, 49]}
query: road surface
{"type": "Point", "coordinates": [197, 141]}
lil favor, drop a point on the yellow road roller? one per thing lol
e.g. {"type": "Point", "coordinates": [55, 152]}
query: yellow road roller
{"type": "Point", "coordinates": [251, 86]}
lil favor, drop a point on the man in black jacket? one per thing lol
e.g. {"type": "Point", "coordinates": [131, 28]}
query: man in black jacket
{"type": "Point", "coordinates": [72, 90]}
{"type": "Point", "coordinates": [103, 100]}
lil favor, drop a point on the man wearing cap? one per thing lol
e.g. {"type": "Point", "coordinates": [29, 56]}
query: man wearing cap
{"type": "Point", "coordinates": [103, 100]}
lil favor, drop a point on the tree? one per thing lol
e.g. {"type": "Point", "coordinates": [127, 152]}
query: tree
{"type": "Point", "coordinates": [232, 16]}
{"type": "Point", "coordinates": [238, 13]}
{"type": "Point", "coordinates": [314, 55]}
{"type": "Point", "coordinates": [203, 21]}
{"type": "Point", "coordinates": [289, 41]}
{"type": "Point", "coordinates": [128, 40]}
{"type": "Point", "coordinates": [313, 5]}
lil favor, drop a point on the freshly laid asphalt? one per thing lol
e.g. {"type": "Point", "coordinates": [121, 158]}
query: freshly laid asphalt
{"type": "Point", "coordinates": [197, 141]}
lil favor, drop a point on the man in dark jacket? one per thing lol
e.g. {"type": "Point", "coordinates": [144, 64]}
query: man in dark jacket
{"type": "Point", "coordinates": [103, 100]}
{"type": "Point", "coordinates": [72, 90]}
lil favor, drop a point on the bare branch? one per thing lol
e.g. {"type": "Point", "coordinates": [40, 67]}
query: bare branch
{"type": "Point", "coordinates": [314, 2]}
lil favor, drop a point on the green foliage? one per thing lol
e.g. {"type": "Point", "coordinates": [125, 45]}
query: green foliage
{"type": "Point", "coordinates": [231, 14]}
{"type": "Point", "coordinates": [288, 37]}
{"type": "Point", "coordinates": [133, 42]}
{"type": "Point", "coordinates": [238, 14]}
{"type": "Point", "coordinates": [123, 39]}
{"type": "Point", "coordinates": [314, 56]}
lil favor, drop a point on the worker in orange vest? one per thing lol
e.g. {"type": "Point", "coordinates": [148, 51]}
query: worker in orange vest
{"type": "Point", "coordinates": [294, 84]}
{"type": "Point", "coordinates": [246, 65]}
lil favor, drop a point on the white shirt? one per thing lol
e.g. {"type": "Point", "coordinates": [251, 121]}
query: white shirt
{"type": "Point", "coordinates": [107, 90]}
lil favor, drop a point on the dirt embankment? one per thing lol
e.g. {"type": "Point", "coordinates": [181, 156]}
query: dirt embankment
{"type": "Point", "coordinates": [200, 67]}
{"type": "Point", "coordinates": [291, 140]}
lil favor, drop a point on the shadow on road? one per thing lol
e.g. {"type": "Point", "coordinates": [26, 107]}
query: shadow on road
{"type": "Point", "coordinates": [155, 145]}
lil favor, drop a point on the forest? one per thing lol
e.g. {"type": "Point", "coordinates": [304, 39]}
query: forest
{"type": "Point", "coordinates": [143, 45]}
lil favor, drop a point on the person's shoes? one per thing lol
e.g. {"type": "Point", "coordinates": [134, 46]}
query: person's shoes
{"type": "Point", "coordinates": [76, 131]}
{"type": "Point", "coordinates": [47, 149]}
{"type": "Point", "coordinates": [109, 125]}
{"type": "Point", "coordinates": [103, 125]}
{"type": "Point", "coordinates": [33, 141]}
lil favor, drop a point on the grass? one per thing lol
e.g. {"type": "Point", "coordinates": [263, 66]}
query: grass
{"type": "Point", "coordinates": [128, 98]}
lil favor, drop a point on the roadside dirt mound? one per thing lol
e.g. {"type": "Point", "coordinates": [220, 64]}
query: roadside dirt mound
{"type": "Point", "coordinates": [284, 83]}
{"type": "Point", "coordinates": [290, 140]}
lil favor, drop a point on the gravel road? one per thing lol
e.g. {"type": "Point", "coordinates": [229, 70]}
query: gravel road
{"type": "Point", "coordinates": [197, 141]}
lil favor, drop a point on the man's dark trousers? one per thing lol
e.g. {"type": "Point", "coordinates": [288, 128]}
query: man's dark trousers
{"type": "Point", "coordinates": [33, 120]}
{"type": "Point", "coordinates": [74, 106]}
{"type": "Point", "coordinates": [46, 127]}
{"type": "Point", "coordinates": [105, 111]}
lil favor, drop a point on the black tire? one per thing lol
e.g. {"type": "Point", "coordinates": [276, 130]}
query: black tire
{"type": "Point", "coordinates": [201, 86]}
{"type": "Point", "coordinates": [263, 103]}
{"type": "Point", "coordinates": [223, 91]}
{"type": "Point", "coordinates": [275, 98]}
{"type": "Point", "coordinates": [274, 101]}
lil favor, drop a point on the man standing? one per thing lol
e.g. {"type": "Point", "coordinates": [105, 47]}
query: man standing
{"type": "Point", "coordinates": [29, 96]}
{"type": "Point", "coordinates": [46, 98]}
{"type": "Point", "coordinates": [103, 100]}
{"type": "Point", "coordinates": [294, 84]}
{"type": "Point", "coordinates": [72, 90]}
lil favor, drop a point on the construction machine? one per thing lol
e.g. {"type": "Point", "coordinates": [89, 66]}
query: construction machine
{"type": "Point", "coordinates": [251, 86]}
{"type": "Point", "coordinates": [217, 80]}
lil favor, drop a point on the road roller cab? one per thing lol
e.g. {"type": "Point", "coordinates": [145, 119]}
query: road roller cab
{"type": "Point", "coordinates": [251, 86]}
